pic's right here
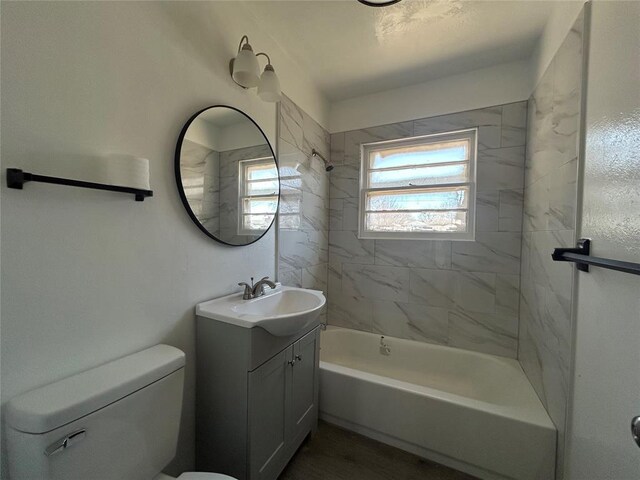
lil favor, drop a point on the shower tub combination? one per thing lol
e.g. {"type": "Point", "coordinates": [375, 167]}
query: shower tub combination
{"type": "Point", "coordinates": [471, 411]}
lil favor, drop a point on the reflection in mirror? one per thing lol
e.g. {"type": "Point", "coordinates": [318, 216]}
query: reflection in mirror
{"type": "Point", "coordinates": [290, 197]}
{"type": "Point", "coordinates": [227, 175]}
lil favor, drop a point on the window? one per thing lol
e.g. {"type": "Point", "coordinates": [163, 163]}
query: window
{"type": "Point", "coordinates": [258, 188]}
{"type": "Point", "coordinates": [419, 188]}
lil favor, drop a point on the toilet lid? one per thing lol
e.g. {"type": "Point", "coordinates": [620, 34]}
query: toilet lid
{"type": "Point", "coordinates": [204, 476]}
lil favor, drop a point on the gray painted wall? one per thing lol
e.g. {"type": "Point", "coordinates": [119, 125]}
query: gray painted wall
{"type": "Point", "coordinates": [462, 294]}
{"type": "Point", "coordinates": [89, 276]}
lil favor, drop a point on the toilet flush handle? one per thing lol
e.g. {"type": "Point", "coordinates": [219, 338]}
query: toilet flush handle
{"type": "Point", "coordinates": [635, 429]}
{"type": "Point", "coordinates": [66, 442]}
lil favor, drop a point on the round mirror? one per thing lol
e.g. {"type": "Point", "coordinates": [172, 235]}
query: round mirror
{"type": "Point", "coordinates": [227, 175]}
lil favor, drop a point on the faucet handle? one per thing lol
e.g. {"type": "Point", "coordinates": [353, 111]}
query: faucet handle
{"type": "Point", "coordinates": [248, 291]}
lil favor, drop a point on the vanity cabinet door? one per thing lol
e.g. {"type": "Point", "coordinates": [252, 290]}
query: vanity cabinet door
{"type": "Point", "coordinates": [304, 387]}
{"type": "Point", "coordinates": [268, 398]}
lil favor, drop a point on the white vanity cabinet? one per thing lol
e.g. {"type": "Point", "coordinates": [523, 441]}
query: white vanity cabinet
{"type": "Point", "coordinates": [256, 398]}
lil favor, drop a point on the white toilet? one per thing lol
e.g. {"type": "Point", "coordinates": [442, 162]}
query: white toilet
{"type": "Point", "coordinates": [118, 421]}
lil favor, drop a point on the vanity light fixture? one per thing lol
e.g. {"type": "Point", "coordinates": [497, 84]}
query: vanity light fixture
{"type": "Point", "coordinates": [244, 68]}
{"type": "Point", "coordinates": [245, 71]}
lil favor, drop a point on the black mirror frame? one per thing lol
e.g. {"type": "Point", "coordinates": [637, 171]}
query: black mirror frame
{"type": "Point", "coordinates": [183, 197]}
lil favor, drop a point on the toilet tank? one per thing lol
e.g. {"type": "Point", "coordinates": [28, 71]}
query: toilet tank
{"type": "Point", "coordinates": [118, 421]}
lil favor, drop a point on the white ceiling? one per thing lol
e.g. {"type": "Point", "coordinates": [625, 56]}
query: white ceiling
{"type": "Point", "coordinates": [352, 50]}
{"type": "Point", "coordinates": [222, 117]}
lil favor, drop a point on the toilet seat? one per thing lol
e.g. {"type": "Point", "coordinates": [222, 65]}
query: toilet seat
{"type": "Point", "coordinates": [196, 476]}
{"type": "Point", "coordinates": [204, 476]}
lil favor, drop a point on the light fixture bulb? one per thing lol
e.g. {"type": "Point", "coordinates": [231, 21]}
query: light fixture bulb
{"type": "Point", "coordinates": [246, 68]}
{"type": "Point", "coordinates": [269, 87]}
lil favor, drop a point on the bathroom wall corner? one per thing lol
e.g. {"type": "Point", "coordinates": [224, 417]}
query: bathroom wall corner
{"type": "Point", "coordinates": [549, 221]}
{"type": "Point", "coordinates": [303, 219]}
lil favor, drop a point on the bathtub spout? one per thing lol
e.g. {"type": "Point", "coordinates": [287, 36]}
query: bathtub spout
{"type": "Point", "coordinates": [384, 348]}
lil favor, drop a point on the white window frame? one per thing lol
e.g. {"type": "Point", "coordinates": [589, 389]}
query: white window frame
{"type": "Point", "coordinates": [367, 148]}
{"type": "Point", "coordinates": [242, 192]}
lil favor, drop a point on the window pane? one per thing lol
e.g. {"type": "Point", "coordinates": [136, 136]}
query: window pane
{"type": "Point", "coordinates": [432, 199]}
{"type": "Point", "coordinates": [444, 221]}
{"type": "Point", "coordinates": [290, 222]}
{"type": "Point", "coordinates": [263, 205]}
{"type": "Point", "coordinates": [263, 187]}
{"type": "Point", "coordinates": [257, 222]}
{"type": "Point", "coordinates": [430, 153]}
{"type": "Point", "coordinates": [433, 175]}
{"type": "Point", "coordinates": [262, 171]}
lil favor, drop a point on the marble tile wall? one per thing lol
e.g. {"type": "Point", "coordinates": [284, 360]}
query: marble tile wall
{"type": "Point", "coordinates": [550, 198]}
{"type": "Point", "coordinates": [462, 294]}
{"type": "Point", "coordinates": [199, 170]}
{"type": "Point", "coordinates": [303, 233]}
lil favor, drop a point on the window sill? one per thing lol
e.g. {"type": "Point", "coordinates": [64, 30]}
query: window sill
{"type": "Point", "coordinates": [467, 237]}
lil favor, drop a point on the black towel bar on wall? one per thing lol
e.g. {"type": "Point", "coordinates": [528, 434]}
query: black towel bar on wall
{"type": "Point", "coordinates": [16, 178]}
{"type": "Point", "coordinates": [580, 256]}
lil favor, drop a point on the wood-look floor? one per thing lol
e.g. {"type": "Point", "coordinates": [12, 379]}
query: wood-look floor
{"type": "Point", "coordinates": [337, 454]}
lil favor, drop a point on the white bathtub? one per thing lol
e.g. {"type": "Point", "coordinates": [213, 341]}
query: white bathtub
{"type": "Point", "coordinates": [471, 411]}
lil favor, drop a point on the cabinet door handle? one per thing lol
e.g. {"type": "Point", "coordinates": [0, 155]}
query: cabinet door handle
{"type": "Point", "coordinates": [299, 358]}
{"type": "Point", "coordinates": [291, 362]}
{"type": "Point", "coordinates": [635, 429]}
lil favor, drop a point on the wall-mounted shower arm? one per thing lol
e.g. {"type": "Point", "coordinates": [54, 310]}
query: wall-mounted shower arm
{"type": "Point", "coordinates": [327, 164]}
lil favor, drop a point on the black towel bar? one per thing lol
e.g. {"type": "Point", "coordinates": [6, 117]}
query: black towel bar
{"type": "Point", "coordinates": [580, 256]}
{"type": "Point", "coordinates": [16, 178]}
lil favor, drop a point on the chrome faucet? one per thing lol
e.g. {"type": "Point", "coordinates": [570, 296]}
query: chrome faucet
{"type": "Point", "coordinates": [257, 290]}
{"type": "Point", "coordinates": [384, 348]}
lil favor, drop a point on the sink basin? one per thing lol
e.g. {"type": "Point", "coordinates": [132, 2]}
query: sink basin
{"type": "Point", "coordinates": [282, 311]}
